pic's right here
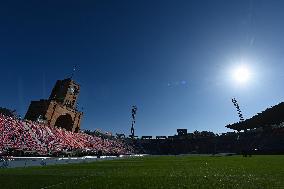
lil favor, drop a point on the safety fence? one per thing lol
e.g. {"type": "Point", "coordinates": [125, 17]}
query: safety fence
{"type": "Point", "coordinates": [45, 161]}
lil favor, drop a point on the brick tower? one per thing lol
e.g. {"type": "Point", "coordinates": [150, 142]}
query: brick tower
{"type": "Point", "coordinates": [60, 109]}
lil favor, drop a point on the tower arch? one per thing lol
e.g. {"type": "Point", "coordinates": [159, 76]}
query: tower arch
{"type": "Point", "coordinates": [64, 121]}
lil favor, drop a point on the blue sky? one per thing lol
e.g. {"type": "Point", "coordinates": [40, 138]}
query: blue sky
{"type": "Point", "coordinates": [173, 59]}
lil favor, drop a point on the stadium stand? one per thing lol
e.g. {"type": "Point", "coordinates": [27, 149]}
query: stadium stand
{"type": "Point", "coordinates": [254, 141]}
{"type": "Point", "coordinates": [25, 136]}
{"type": "Point", "coordinates": [265, 136]}
{"type": "Point", "coordinates": [265, 119]}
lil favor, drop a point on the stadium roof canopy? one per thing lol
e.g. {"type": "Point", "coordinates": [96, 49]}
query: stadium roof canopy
{"type": "Point", "coordinates": [270, 116]}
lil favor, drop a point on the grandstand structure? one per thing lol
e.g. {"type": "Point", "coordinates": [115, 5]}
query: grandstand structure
{"type": "Point", "coordinates": [266, 119]}
{"type": "Point", "coordinates": [261, 134]}
{"type": "Point", "coordinates": [52, 127]}
{"type": "Point", "coordinates": [60, 110]}
{"type": "Point", "coordinates": [24, 138]}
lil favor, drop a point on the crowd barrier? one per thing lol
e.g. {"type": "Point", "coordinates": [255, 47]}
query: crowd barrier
{"type": "Point", "coordinates": [45, 161]}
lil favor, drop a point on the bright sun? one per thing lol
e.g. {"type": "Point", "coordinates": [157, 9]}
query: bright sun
{"type": "Point", "coordinates": [241, 74]}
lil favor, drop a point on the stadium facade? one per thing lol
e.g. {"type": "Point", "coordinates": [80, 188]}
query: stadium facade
{"type": "Point", "coordinates": [266, 120]}
{"type": "Point", "coordinates": [60, 110]}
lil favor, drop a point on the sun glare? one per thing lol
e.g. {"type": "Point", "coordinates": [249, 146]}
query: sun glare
{"type": "Point", "coordinates": [241, 74]}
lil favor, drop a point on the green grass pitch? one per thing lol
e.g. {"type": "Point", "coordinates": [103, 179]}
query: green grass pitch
{"type": "Point", "coordinates": [153, 172]}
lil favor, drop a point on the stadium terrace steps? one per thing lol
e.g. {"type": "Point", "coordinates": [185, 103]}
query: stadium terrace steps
{"type": "Point", "coordinates": [43, 139]}
{"type": "Point", "coordinates": [32, 133]}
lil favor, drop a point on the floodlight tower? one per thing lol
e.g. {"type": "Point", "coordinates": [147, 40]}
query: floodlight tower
{"type": "Point", "coordinates": [133, 121]}
{"type": "Point", "coordinates": [235, 102]}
